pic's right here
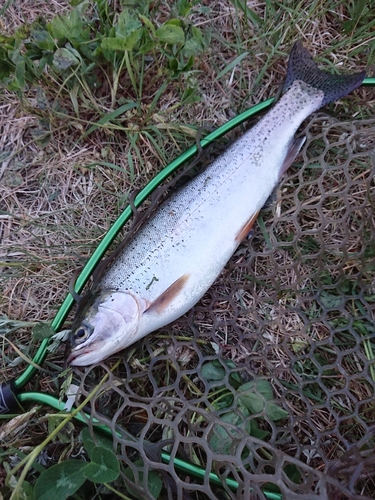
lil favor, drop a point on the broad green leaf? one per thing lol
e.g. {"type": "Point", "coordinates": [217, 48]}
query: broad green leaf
{"type": "Point", "coordinates": [127, 24]}
{"type": "Point", "coordinates": [6, 67]}
{"type": "Point", "coordinates": [179, 67]}
{"type": "Point", "coordinates": [82, 6]}
{"type": "Point", "coordinates": [212, 371]}
{"type": "Point", "coordinates": [120, 44]}
{"type": "Point", "coordinates": [205, 10]}
{"type": "Point", "coordinates": [197, 35]}
{"type": "Point", "coordinates": [154, 481]}
{"type": "Point", "coordinates": [75, 25]}
{"type": "Point", "coordinates": [104, 466]}
{"type": "Point", "coordinates": [69, 27]}
{"type": "Point", "coordinates": [173, 65]}
{"type": "Point", "coordinates": [6, 41]}
{"type": "Point", "coordinates": [20, 74]}
{"type": "Point", "coordinates": [331, 300]}
{"type": "Point", "coordinates": [25, 490]}
{"type": "Point", "coordinates": [59, 27]}
{"type": "Point", "coordinates": [171, 34]}
{"type": "Point", "coordinates": [292, 473]}
{"type": "Point", "coordinates": [42, 38]}
{"type": "Point", "coordinates": [60, 481]}
{"type": "Point", "coordinates": [110, 45]}
{"type": "Point", "coordinates": [196, 44]}
{"type": "Point", "coordinates": [183, 7]}
{"type": "Point", "coordinates": [91, 50]}
{"type": "Point", "coordinates": [189, 64]}
{"type": "Point", "coordinates": [261, 386]}
{"type": "Point", "coordinates": [63, 59]}
{"type": "Point", "coordinates": [189, 96]}
{"type": "Point", "coordinates": [102, 8]}
{"type": "Point", "coordinates": [235, 379]}
{"type": "Point", "coordinates": [146, 21]}
{"type": "Point", "coordinates": [225, 439]}
{"type": "Point", "coordinates": [224, 401]}
{"type": "Point", "coordinates": [14, 53]}
{"type": "Point", "coordinates": [22, 31]}
{"type": "Point", "coordinates": [255, 431]}
{"type": "Point", "coordinates": [275, 412]}
{"type": "Point", "coordinates": [42, 331]}
{"type": "Point", "coordinates": [299, 345]}
{"type": "Point", "coordinates": [192, 47]}
{"type": "Point", "coordinates": [254, 402]}
{"type": "Point", "coordinates": [100, 440]}
{"type": "Point", "coordinates": [38, 69]}
{"type": "Point", "coordinates": [175, 22]}
{"type": "Point", "coordinates": [256, 396]}
{"type": "Point", "coordinates": [147, 43]}
{"type": "Point", "coordinates": [132, 39]}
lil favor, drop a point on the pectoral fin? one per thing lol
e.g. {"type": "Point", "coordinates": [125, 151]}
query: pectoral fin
{"type": "Point", "coordinates": [292, 153]}
{"type": "Point", "coordinates": [246, 228]}
{"type": "Point", "coordinates": [159, 304]}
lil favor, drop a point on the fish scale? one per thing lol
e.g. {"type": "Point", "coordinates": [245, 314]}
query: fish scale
{"type": "Point", "coordinates": [176, 256]}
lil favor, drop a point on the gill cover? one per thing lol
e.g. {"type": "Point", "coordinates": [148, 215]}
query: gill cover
{"type": "Point", "coordinates": [103, 328]}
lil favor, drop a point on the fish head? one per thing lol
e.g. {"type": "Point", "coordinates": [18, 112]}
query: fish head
{"type": "Point", "coordinates": [105, 325]}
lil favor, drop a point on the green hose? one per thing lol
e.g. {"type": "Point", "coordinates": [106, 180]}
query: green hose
{"type": "Point", "coordinates": [180, 465]}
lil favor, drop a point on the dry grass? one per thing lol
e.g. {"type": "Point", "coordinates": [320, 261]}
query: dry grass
{"type": "Point", "coordinates": [58, 196]}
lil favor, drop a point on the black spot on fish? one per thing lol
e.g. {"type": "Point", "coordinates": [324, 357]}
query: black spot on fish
{"type": "Point", "coordinates": [301, 66]}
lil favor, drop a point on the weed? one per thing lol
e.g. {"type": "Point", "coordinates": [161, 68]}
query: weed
{"type": "Point", "coordinates": [92, 52]}
{"type": "Point", "coordinates": [64, 479]}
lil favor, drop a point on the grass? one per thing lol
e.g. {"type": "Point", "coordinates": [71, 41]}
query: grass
{"type": "Point", "coordinates": [295, 305]}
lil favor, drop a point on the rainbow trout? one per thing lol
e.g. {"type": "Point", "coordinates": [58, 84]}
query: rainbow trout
{"type": "Point", "coordinates": [179, 252]}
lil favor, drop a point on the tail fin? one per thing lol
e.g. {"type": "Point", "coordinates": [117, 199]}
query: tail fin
{"type": "Point", "coordinates": [301, 66]}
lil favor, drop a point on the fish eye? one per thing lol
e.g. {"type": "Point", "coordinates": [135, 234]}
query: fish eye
{"type": "Point", "coordinates": [82, 333]}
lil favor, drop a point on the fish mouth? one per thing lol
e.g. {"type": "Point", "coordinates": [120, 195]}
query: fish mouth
{"type": "Point", "coordinates": [72, 355]}
{"type": "Point", "coordinates": [70, 358]}
{"type": "Point", "coordinates": [67, 355]}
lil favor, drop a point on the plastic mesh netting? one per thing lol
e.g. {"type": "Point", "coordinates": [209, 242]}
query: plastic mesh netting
{"type": "Point", "coordinates": [268, 382]}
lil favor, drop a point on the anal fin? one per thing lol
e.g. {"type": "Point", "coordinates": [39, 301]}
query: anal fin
{"type": "Point", "coordinates": [246, 228]}
{"type": "Point", "coordinates": [292, 153]}
{"type": "Point", "coordinates": [159, 304]}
